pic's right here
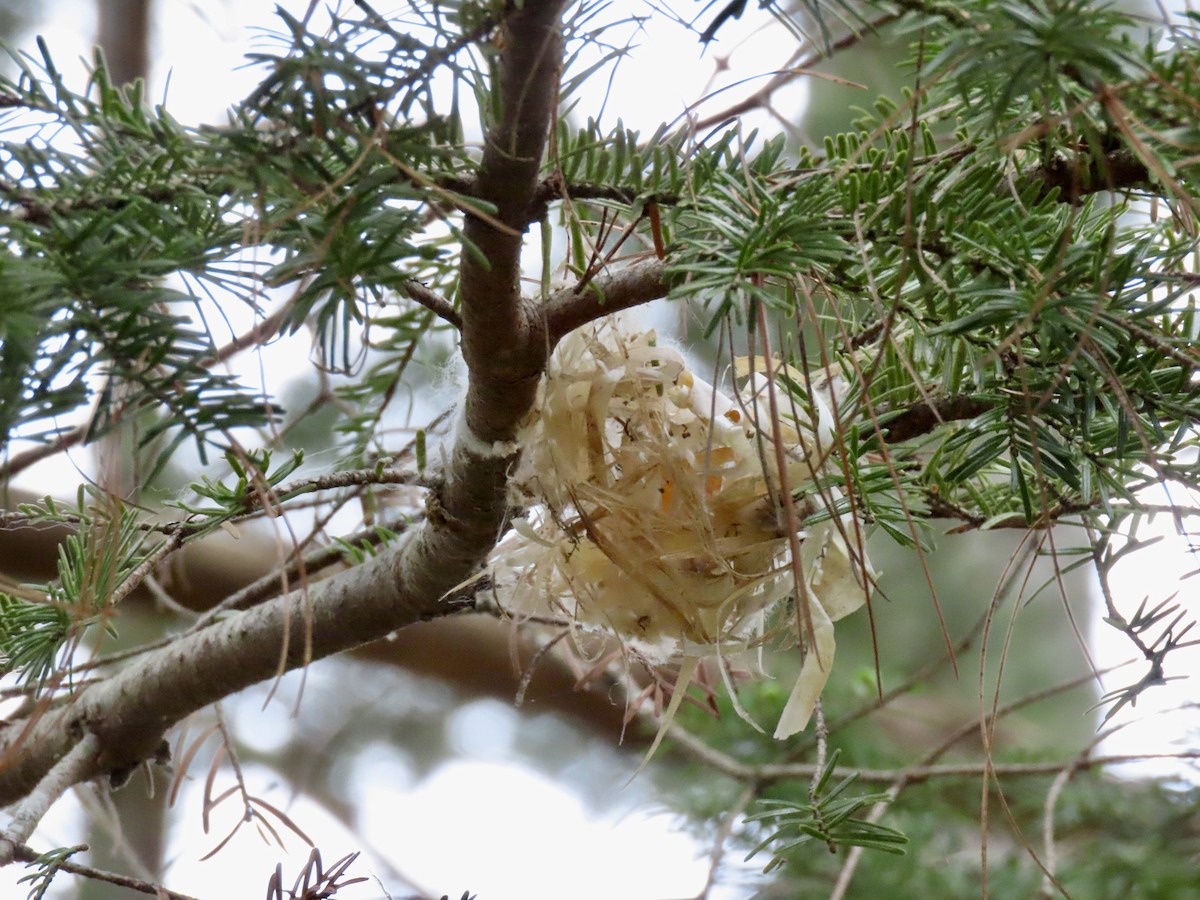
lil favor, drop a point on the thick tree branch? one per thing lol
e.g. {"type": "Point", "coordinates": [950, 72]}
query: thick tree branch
{"type": "Point", "coordinates": [130, 711]}
{"type": "Point", "coordinates": [1084, 174]}
{"type": "Point", "coordinates": [503, 340]}
{"type": "Point", "coordinates": [241, 571]}
{"type": "Point", "coordinates": [26, 855]}
{"type": "Point", "coordinates": [505, 346]}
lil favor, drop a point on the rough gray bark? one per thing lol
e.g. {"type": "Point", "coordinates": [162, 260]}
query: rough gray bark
{"type": "Point", "coordinates": [506, 341]}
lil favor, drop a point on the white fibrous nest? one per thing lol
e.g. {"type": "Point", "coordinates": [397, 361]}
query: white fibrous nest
{"type": "Point", "coordinates": [652, 517]}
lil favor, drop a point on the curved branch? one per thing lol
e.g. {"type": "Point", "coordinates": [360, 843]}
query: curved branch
{"type": "Point", "coordinates": [505, 348]}
{"type": "Point", "coordinates": [503, 342]}
{"type": "Point", "coordinates": [921, 418]}
{"type": "Point", "coordinates": [626, 288]}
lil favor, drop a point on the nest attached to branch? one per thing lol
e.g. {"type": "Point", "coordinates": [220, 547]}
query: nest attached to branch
{"type": "Point", "coordinates": [654, 513]}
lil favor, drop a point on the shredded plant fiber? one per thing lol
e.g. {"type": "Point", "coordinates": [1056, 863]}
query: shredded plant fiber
{"type": "Point", "coordinates": [653, 517]}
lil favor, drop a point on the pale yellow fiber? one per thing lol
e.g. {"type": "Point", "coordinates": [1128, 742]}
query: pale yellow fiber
{"type": "Point", "coordinates": [652, 518]}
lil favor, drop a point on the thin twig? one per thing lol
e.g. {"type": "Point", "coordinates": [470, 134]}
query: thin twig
{"type": "Point", "coordinates": [433, 301]}
{"type": "Point", "coordinates": [631, 286]}
{"type": "Point", "coordinates": [917, 774]}
{"type": "Point", "coordinates": [25, 854]}
{"type": "Point", "coordinates": [718, 851]}
{"type": "Point", "coordinates": [262, 332]}
{"type": "Point", "coordinates": [145, 567]}
{"type": "Point", "coordinates": [925, 771]}
{"type": "Point", "coordinates": [275, 583]}
{"type": "Point", "coordinates": [795, 67]}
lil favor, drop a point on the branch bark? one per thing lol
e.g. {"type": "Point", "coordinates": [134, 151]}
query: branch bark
{"type": "Point", "coordinates": [505, 345]}
{"type": "Point", "coordinates": [34, 806]}
{"type": "Point", "coordinates": [566, 310]}
{"type": "Point", "coordinates": [506, 341]}
{"type": "Point", "coordinates": [503, 337]}
{"type": "Point", "coordinates": [921, 418]}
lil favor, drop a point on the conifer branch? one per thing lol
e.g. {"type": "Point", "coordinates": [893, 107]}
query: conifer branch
{"type": "Point", "coordinates": [411, 582]}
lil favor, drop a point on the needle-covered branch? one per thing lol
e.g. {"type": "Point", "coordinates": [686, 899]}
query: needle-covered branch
{"type": "Point", "coordinates": [505, 347]}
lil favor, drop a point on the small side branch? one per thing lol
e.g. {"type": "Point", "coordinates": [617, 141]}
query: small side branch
{"type": "Point", "coordinates": [67, 771]}
{"type": "Point", "coordinates": [1079, 176]}
{"type": "Point", "coordinates": [631, 286]}
{"type": "Point", "coordinates": [922, 418]}
{"type": "Point", "coordinates": [434, 302]}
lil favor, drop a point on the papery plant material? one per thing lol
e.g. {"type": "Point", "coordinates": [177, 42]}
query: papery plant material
{"type": "Point", "coordinates": [653, 518]}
